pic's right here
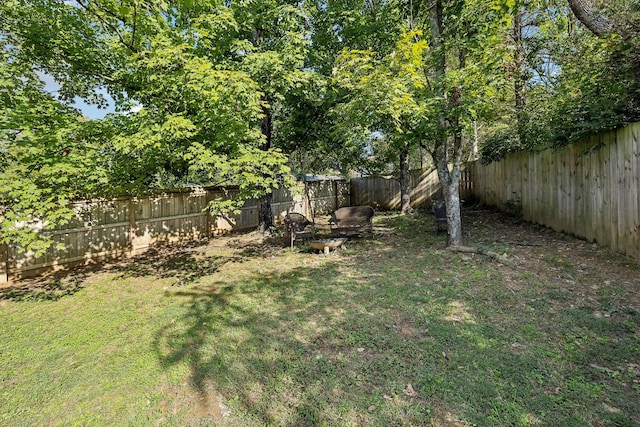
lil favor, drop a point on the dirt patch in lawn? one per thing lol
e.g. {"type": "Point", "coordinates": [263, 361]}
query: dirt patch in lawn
{"type": "Point", "coordinates": [579, 272]}
{"type": "Point", "coordinates": [208, 405]}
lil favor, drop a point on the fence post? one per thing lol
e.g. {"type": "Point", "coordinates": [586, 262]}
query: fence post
{"type": "Point", "coordinates": [306, 201]}
{"type": "Point", "coordinates": [132, 225]}
{"type": "Point", "coordinates": [209, 222]}
{"type": "Point", "coordinates": [4, 263]}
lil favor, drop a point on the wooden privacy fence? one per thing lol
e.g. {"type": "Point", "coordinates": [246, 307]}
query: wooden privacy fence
{"type": "Point", "coordinates": [384, 193]}
{"type": "Point", "coordinates": [590, 189]}
{"type": "Point", "coordinates": [122, 227]}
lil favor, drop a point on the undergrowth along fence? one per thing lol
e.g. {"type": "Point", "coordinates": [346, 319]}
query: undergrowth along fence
{"type": "Point", "coordinates": [590, 190]}
{"type": "Point", "coordinates": [121, 227]}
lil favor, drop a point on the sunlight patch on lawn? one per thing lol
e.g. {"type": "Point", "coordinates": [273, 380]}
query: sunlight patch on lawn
{"type": "Point", "coordinates": [457, 311]}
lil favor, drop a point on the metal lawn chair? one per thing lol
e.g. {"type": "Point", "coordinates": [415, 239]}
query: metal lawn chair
{"type": "Point", "coordinates": [298, 227]}
{"type": "Point", "coordinates": [439, 211]}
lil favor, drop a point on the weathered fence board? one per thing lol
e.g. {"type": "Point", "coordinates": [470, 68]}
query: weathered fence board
{"type": "Point", "coordinates": [126, 226]}
{"type": "Point", "coordinates": [326, 196]}
{"type": "Point", "coordinates": [591, 189]}
{"type": "Point", "coordinates": [379, 192]}
{"type": "Point", "coordinates": [384, 193]}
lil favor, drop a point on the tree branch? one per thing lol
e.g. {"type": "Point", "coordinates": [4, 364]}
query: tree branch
{"type": "Point", "coordinates": [587, 13]}
{"type": "Point", "coordinates": [108, 25]}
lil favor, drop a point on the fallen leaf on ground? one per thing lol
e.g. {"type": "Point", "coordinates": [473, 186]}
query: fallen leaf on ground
{"type": "Point", "coordinates": [409, 391]}
{"type": "Point", "coordinates": [611, 409]}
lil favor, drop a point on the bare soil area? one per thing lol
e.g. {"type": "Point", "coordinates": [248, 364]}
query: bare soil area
{"type": "Point", "coordinates": [584, 269]}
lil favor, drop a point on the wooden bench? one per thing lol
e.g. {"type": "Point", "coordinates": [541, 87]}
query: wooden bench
{"type": "Point", "coordinates": [352, 220]}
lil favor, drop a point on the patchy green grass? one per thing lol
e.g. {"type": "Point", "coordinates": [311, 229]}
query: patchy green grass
{"type": "Point", "coordinates": [394, 330]}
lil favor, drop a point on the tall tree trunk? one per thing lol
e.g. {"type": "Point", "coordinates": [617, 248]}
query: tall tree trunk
{"type": "Point", "coordinates": [452, 190]}
{"type": "Point", "coordinates": [476, 140]}
{"type": "Point", "coordinates": [449, 179]}
{"type": "Point", "coordinates": [450, 182]}
{"type": "Point", "coordinates": [265, 214]}
{"type": "Point", "coordinates": [519, 83]}
{"type": "Point", "coordinates": [405, 189]}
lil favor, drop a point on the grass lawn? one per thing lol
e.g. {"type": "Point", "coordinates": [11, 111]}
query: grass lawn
{"type": "Point", "coordinates": [394, 330]}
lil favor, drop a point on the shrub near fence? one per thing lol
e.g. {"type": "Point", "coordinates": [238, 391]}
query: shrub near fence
{"type": "Point", "coordinates": [591, 189]}
{"type": "Point", "coordinates": [111, 229]}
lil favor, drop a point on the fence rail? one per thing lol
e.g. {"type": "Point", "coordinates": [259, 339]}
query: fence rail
{"type": "Point", "coordinates": [121, 227]}
{"type": "Point", "coordinates": [591, 190]}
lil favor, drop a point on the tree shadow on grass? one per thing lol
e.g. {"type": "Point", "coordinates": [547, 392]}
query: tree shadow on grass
{"type": "Point", "coordinates": [303, 348]}
{"type": "Point", "coordinates": [248, 340]}
{"type": "Point", "coordinates": [50, 288]}
{"type": "Point", "coordinates": [189, 263]}
{"type": "Point", "coordinates": [184, 267]}
{"type": "Point", "coordinates": [185, 264]}
{"type": "Point", "coordinates": [340, 342]}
